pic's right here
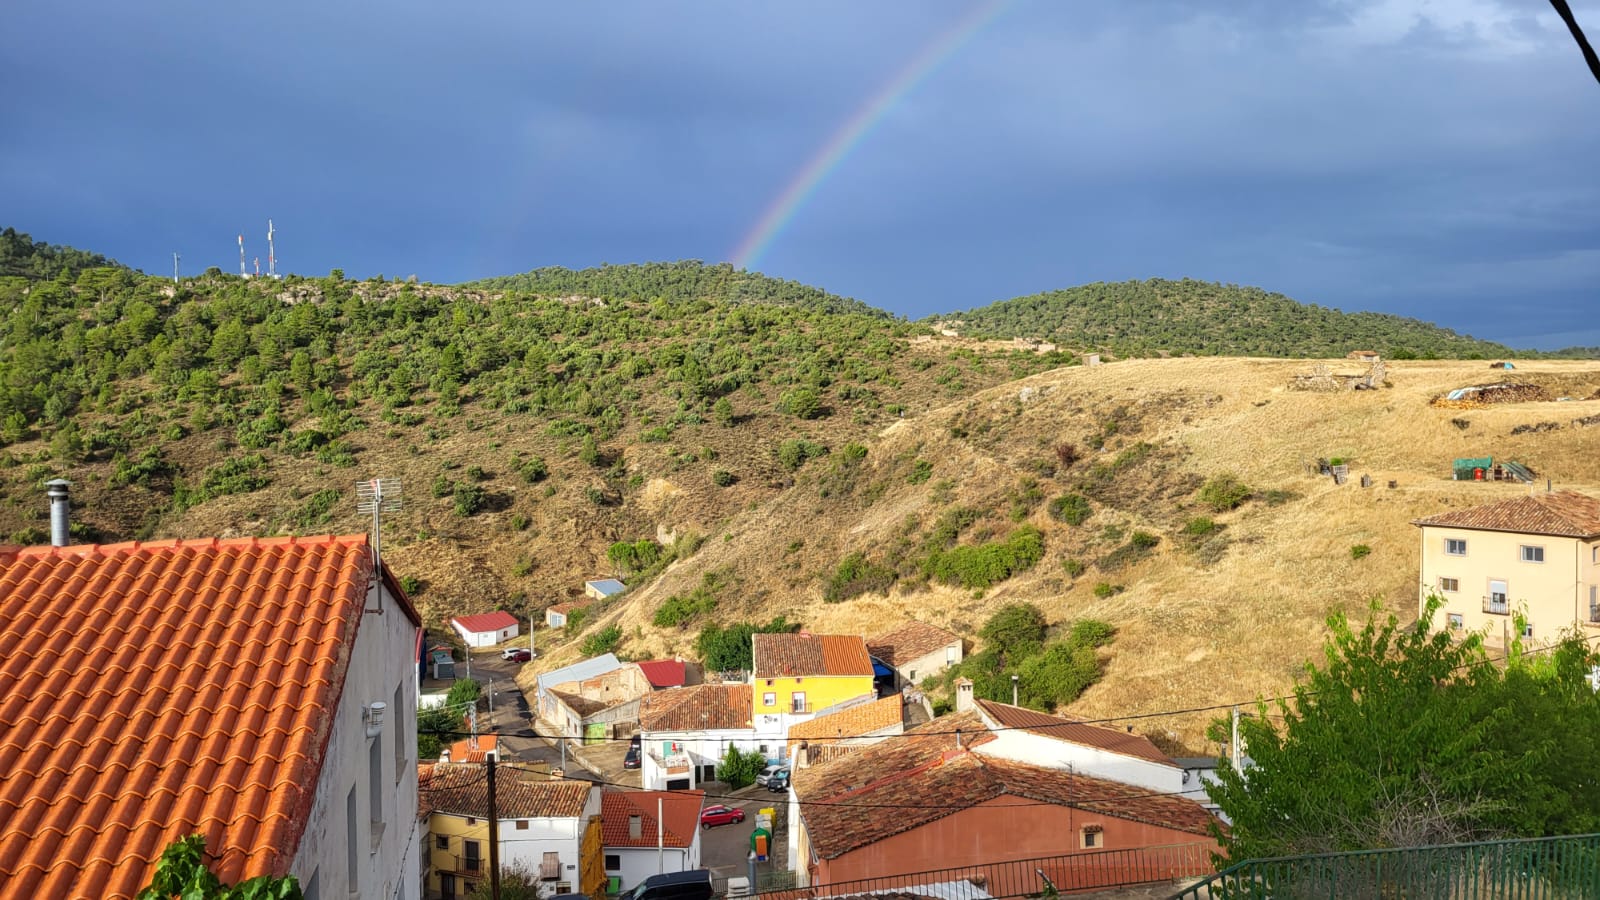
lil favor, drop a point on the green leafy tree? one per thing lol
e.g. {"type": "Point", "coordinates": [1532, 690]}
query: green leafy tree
{"type": "Point", "coordinates": [1404, 736]}
{"type": "Point", "coordinates": [517, 882]}
{"type": "Point", "coordinates": [1016, 631]}
{"type": "Point", "coordinates": [728, 649]}
{"type": "Point", "coordinates": [739, 768]}
{"type": "Point", "coordinates": [722, 412]}
{"type": "Point", "coordinates": [802, 403]}
{"type": "Point", "coordinates": [182, 873]}
{"type": "Point", "coordinates": [606, 640]}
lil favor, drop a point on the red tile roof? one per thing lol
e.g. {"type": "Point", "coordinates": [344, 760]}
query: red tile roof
{"type": "Point", "coordinates": [463, 790]}
{"type": "Point", "coordinates": [780, 655]}
{"type": "Point", "coordinates": [472, 749]}
{"type": "Point", "coordinates": [854, 721]}
{"type": "Point", "coordinates": [153, 690]}
{"type": "Point", "coordinates": [910, 642]}
{"type": "Point", "coordinates": [1558, 513]}
{"type": "Point", "coordinates": [680, 816]}
{"type": "Point", "coordinates": [663, 673]}
{"type": "Point", "coordinates": [1007, 716]}
{"type": "Point", "coordinates": [483, 623]}
{"type": "Point", "coordinates": [843, 802]}
{"type": "Point", "coordinates": [700, 707]}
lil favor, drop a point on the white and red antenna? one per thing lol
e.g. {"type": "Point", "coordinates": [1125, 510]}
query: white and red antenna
{"type": "Point", "coordinates": [241, 257]}
{"type": "Point", "coordinates": [272, 259]}
{"type": "Point", "coordinates": [258, 266]}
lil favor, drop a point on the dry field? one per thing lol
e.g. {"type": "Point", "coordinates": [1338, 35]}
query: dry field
{"type": "Point", "coordinates": [1190, 633]}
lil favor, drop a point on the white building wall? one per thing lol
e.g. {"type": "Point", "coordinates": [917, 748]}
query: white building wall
{"type": "Point", "coordinates": [384, 848]}
{"type": "Point", "coordinates": [486, 638]}
{"type": "Point", "coordinates": [703, 747]}
{"type": "Point", "coordinates": [1050, 753]}
{"type": "Point", "coordinates": [637, 863]}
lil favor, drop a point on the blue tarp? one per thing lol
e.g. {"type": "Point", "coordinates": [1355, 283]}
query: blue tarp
{"type": "Point", "coordinates": [879, 669]}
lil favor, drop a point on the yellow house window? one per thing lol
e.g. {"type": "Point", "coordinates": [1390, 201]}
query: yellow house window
{"type": "Point", "coordinates": [770, 698]}
{"type": "Point", "coordinates": [1532, 554]}
{"type": "Point", "coordinates": [1449, 585]}
{"type": "Point", "coordinates": [1455, 546]}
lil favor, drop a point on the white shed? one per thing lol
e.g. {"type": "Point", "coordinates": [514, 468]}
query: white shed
{"type": "Point", "coordinates": [486, 629]}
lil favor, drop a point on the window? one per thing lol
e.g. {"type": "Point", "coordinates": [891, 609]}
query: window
{"type": "Point", "coordinates": [770, 698]}
{"type": "Point", "coordinates": [397, 714]}
{"type": "Point", "coordinates": [1532, 554]}
{"type": "Point", "coordinates": [471, 821]}
{"type": "Point", "coordinates": [950, 656]}
{"type": "Point", "coordinates": [1456, 622]}
{"type": "Point", "coordinates": [550, 867]}
{"type": "Point", "coordinates": [375, 788]}
{"type": "Point", "coordinates": [613, 862]}
{"type": "Point", "coordinates": [769, 682]}
{"type": "Point", "coordinates": [1093, 837]}
{"type": "Point", "coordinates": [1449, 585]}
{"type": "Point", "coordinates": [522, 824]}
{"type": "Point", "coordinates": [799, 701]}
{"type": "Point", "coordinates": [912, 677]}
{"type": "Point", "coordinates": [1594, 604]}
{"type": "Point", "coordinates": [441, 842]}
{"type": "Point", "coordinates": [472, 861]}
{"type": "Point", "coordinates": [350, 840]}
{"type": "Point", "coordinates": [1527, 630]}
{"type": "Point", "coordinates": [798, 679]}
{"type": "Point", "coordinates": [1455, 546]}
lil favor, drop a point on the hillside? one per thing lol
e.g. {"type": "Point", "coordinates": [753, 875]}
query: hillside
{"type": "Point", "coordinates": [1148, 318]}
{"type": "Point", "coordinates": [676, 282]}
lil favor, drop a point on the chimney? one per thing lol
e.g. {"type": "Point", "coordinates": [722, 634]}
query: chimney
{"type": "Point", "coordinates": [635, 828]}
{"type": "Point", "coordinates": [60, 509]}
{"type": "Point", "coordinates": [963, 694]}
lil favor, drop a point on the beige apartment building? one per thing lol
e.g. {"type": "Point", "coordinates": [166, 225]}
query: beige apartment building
{"type": "Point", "coordinates": [1538, 556]}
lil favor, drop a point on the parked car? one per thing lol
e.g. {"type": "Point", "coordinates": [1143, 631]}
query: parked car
{"type": "Point", "coordinates": [634, 757]}
{"type": "Point", "coordinates": [516, 654]}
{"type": "Point", "coordinates": [720, 815]}
{"type": "Point", "coordinates": [767, 774]}
{"type": "Point", "coordinates": [694, 884]}
{"type": "Point", "coordinates": [779, 782]}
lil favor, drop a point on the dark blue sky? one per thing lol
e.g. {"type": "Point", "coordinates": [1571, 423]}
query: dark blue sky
{"type": "Point", "coordinates": [1433, 158]}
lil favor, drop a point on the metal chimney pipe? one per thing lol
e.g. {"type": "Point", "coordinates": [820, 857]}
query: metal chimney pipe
{"type": "Point", "coordinates": [60, 511]}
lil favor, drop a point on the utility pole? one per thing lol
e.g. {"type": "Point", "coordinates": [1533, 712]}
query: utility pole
{"type": "Point", "coordinates": [661, 841]}
{"type": "Point", "coordinates": [494, 837]}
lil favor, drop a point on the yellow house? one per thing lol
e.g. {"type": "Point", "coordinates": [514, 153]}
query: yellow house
{"type": "Point", "coordinates": [1538, 556]}
{"type": "Point", "coordinates": [797, 675]}
{"type": "Point", "coordinates": [549, 829]}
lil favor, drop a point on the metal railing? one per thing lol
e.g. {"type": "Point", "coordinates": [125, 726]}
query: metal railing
{"type": "Point", "coordinates": [1032, 877]}
{"type": "Point", "coordinates": [1496, 605]}
{"type": "Point", "coordinates": [1532, 868]}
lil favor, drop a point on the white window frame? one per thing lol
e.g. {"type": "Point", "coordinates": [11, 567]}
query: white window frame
{"type": "Point", "coordinates": [1451, 545]}
{"type": "Point", "coordinates": [769, 698]}
{"type": "Point", "coordinates": [1456, 620]}
{"type": "Point", "coordinates": [1531, 553]}
{"type": "Point", "coordinates": [1527, 630]}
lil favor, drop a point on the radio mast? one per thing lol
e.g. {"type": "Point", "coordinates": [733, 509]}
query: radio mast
{"type": "Point", "coordinates": [272, 258]}
{"type": "Point", "coordinates": [175, 258]}
{"type": "Point", "coordinates": [242, 273]}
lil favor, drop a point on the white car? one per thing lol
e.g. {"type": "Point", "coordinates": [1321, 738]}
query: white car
{"type": "Point", "coordinates": [520, 654]}
{"type": "Point", "coordinates": [767, 773]}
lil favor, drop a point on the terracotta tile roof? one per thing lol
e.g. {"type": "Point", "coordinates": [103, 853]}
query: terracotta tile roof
{"type": "Point", "coordinates": [564, 608]}
{"type": "Point", "coordinates": [1111, 739]}
{"type": "Point", "coordinates": [663, 673]}
{"type": "Point", "coordinates": [473, 749]}
{"type": "Point", "coordinates": [1561, 514]}
{"type": "Point", "coordinates": [700, 707]}
{"type": "Point", "coordinates": [779, 655]}
{"type": "Point", "coordinates": [842, 816]}
{"type": "Point", "coordinates": [910, 642]}
{"type": "Point", "coordinates": [483, 623]}
{"type": "Point", "coordinates": [154, 690]}
{"type": "Point", "coordinates": [854, 721]}
{"type": "Point", "coordinates": [462, 789]}
{"type": "Point", "coordinates": [917, 747]}
{"type": "Point", "coordinates": [680, 814]}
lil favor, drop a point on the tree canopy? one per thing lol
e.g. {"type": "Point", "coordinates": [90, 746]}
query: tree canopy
{"type": "Point", "coordinates": [1406, 736]}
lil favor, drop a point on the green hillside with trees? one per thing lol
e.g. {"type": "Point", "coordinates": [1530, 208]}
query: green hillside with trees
{"type": "Point", "coordinates": [676, 281]}
{"type": "Point", "coordinates": [1146, 318]}
{"type": "Point", "coordinates": [22, 256]}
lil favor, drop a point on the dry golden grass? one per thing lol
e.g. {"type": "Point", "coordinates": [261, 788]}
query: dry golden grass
{"type": "Point", "coordinates": [1189, 635]}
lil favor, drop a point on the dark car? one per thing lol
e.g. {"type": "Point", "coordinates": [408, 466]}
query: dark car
{"type": "Point", "coordinates": [634, 757]}
{"type": "Point", "coordinates": [778, 782]}
{"type": "Point", "coordinates": [694, 884]}
{"type": "Point", "coordinates": [516, 654]}
{"type": "Point", "coordinates": [720, 815]}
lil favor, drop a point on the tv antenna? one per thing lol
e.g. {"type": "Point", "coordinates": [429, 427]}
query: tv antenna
{"type": "Point", "coordinates": [241, 257]}
{"type": "Point", "coordinates": [377, 496]}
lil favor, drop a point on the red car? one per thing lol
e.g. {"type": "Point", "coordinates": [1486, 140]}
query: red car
{"type": "Point", "coordinates": [720, 815]}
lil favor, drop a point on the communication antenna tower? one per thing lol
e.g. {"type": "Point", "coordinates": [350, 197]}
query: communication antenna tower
{"type": "Point", "coordinates": [241, 257]}
{"type": "Point", "coordinates": [175, 258]}
{"type": "Point", "coordinates": [377, 496]}
{"type": "Point", "coordinates": [258, 266]}
{"type": "Point", "coordinates": [272, 257]}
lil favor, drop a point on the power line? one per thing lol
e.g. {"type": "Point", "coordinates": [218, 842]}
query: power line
{"type": "Point", "coordinates": [1565, 12]}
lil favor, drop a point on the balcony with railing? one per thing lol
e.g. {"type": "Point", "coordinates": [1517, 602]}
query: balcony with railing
{"type": "Point", "coordinates": [469, 866]}
{"type": "Point", "coordinates": [1496, 605]}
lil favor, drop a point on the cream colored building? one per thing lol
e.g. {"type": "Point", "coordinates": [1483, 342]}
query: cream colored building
{"type": "Point", "coordinates": [1538, 556]}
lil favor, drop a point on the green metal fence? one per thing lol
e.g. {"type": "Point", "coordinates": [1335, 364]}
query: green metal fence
{"type": "Point", "coordinates": [1533, 868]}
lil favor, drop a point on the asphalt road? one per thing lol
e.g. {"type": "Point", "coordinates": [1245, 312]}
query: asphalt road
{"type": "Point", "coordinates": [725, 849]}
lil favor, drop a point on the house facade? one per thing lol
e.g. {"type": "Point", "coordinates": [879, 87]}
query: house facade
{"type": "Point", "coordinates": [547, 706]}
{"type": "Point", "coordinates": [648, 833]}
{"type": "Point", "coordinates": [548, 828]}
{"type": "Point", "coordinates": [916, 650]}
{"type": "Point", "coordinates": [797, 675]}
{"type": "Point", "coordinates": [486, 629]}
{"type": "Point", "coordinates": [684, 733]}
{"type": "Point", "coordinates": [597, 706]}
{"type": "Point", "coordinates": [956, 806]}
{"type": "Point", "coordinates": [271, 685]}
{"type": "Point", "coordinates": [1536, 555]}
{"type": "Point", "coordinates": [1037, 738]}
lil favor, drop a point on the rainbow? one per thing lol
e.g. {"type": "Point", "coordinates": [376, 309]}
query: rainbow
{"type": "Point", "coordinates": [848, 136]}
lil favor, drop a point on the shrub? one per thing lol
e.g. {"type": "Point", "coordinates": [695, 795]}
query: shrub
{"type": "Point", "coordinates": [1073, 567]}
{"type": "Point", "coordinates": [794, 453]}
{"type": "Point", "coordinates": [1143, 540]}
{"type": "Point", "coordinates": [1072, 509]}
{"type": "Point", "coordinates": [1015, 631]}
{"type": "Point", "coordinates": [520, 522]}
{"type": "Point", "coordinates": [983, 566]}
{"type": "Point", "coordinates": [728, 649]}
{"type": "Point", "coordinates": [470, 500]}
{"type": "Point", "coordinates": [921, 471]}
{"type": "Point", "coordinates": [316, 511]}
{"type": "Point", "coordinates": [1091, 633]}
{"type": "Point", "coordinates": [1224, 492]}
{"type": "Point", "coordinates": [1106, 589]}
{"type": "Point", "coordinates": [1200, 526]}
{"type": "Point", "coordinates": [723, 478]}
{"type": "Point", "coordinates": [606, 640]}
{"type": "Point", "coordinates": [442, 486]}
{"type": "Point", "coordinates": [635, 555]}
{"type": "Point", "coordinates": [534, 470]}
{"type": "Point", "coordinates": [802, 403]}
{"type": "Point", "coordinates": [411, 585]}
{"type": "Point", "coordinates": [856, 575]}
{"type": "Point", "coordinates": [1359, 551]}
{"type": "Point", "coordinates": [740, 768]}
{"type": "Point", "coordinates": [1277, 497]}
